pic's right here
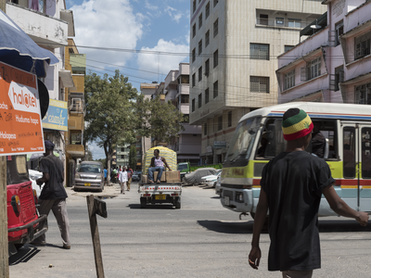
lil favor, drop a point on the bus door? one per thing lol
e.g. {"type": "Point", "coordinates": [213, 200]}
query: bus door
{"type": "Point", "coordinates": [356, 157]}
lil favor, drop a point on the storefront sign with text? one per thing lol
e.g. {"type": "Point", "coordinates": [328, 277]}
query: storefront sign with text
{"type": "Point", "coordinates": [20, 119]}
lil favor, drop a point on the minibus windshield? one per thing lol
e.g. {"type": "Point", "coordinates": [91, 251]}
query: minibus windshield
{"type": "Point", "coordinates": [243, 140]}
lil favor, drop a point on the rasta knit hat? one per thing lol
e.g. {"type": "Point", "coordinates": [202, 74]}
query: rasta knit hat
{"type": "Point", "coordinates": [296, 124]}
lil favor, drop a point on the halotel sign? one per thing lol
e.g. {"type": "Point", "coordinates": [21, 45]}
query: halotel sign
{"type": "Point", "coordinates": [20, 119]}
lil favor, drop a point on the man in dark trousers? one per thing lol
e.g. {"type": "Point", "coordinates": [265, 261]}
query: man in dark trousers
{"type": "Point", "coordinates": [291, 187]}
{"type": "Point", "coordinates": [53, 193]}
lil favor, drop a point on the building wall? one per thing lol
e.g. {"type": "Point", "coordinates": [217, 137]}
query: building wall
{"type": "Point", "coordinates": [240, 23]}
{"type": "Point", "coordinates": [343, 77]}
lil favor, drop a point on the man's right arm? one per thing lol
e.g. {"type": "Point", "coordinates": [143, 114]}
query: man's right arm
{"type": "Point", "coordinates": [340, 207]}
{"type": "Point", "coordinates": [259, 219]}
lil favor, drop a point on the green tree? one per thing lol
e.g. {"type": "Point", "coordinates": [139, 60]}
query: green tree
{"type": "Point", "coordinates": [164, 120]}
{"type": "Point", "coordinates": [110, 112]}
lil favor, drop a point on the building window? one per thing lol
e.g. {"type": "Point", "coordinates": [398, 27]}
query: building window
{"type": "Point", "coordinates": [194, 5]}
{"type": "Point", "coordinates": [76, 137]}
{"type": "Point", "coordinates": [280, 21]}
{"type": "Point", "coordinates": [207, 67]}
{"type": "Point", "coordinates": [193, 79]}
{"type": "Point", "coordinates": [294, 22]}
{"type": "Point", "coordinates": [200, 101]}
{"type": "Point", "coordinates": [289, 80]}
{"type": "Point", "coordinates": [220, 123]}
{"type": "Point", "coordinates": [339, 77]}
{"type": "Point", "coordinates": [363, 94]}
{"type": "Point", "coordinates": [194, 54]}
{"type": "Point", "coordinates": [259, 84]}
{"type": "Point", "coordinates": [193, 105]}
{"type": "Point", "coordinates": [215, 89]}
{"type": "Point", "coordinates": [215, 28]}
{"type": "Point", "coordinates": [362, 46]}
{"type": "Point", "coordinates": [200, 20]}
{"type": "Point", "coordinates": [194, 30]}
{"type": "Point", "coordinates": [76, 105]}
{"type": "Point", "coordinates": [208, 9]}
{"type": "Point", "coordinates": [184, 98]}
{"type": "Point", "coordinates": [215, 58]}
{"type": "Point", "coordinates": [200, 74]}
{"type": "Point", "coordinates": [259, 51]}
{"type": "Point", "coordinates": [207, 38]}
{"type": "Point", "coordinates": [229, 118]}
{"type": "Point", "coordinates": [288, 47]}
{"type": "Point", "coordinates": [200, 46]}
{"type": "Point", "coordinates": [338, 32]}
{"type": "Point", "coordinates": [312, 70]}
{"type": "Point", "coordinates": [262, 18]}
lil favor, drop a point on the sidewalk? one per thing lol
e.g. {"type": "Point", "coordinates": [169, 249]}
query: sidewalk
{"type": "Point", "coordinates": [110, 191]}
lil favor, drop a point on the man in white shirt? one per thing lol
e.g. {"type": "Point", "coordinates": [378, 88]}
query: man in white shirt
{"type": "Point", "coordinates": [123, 179]}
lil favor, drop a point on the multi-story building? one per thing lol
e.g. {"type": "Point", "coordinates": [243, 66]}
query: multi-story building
{"type": "Point", "coordinates": [176, 89]}
{"type": "Point", "coordinates": [49, 24]}
{"type": "Point", "coordinates": [147, 90]}
{"type": "Point", "coordinates": [74, 143]}
{"type": "Point", "coordinates": [334, 63]}
{"type": "Point", "coordinates": [234, 47]}
{"type": "Point", "coordinates": [122, 155]}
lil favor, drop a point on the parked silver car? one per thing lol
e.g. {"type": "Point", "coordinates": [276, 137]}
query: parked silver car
{"type": "Point", "coordinates": [89, 175]}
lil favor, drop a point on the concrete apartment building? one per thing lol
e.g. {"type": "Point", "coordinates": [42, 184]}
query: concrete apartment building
{"type": "Point", "coordinates": [49, 24]}
{"type": "Point", "coordinates": [334, 63]}
{"type": "Point", "coordinates": [234, 47]}
{"type": "Point", "coordinates": [175, 88]}
{"type": "Point", "coordinates": [75, 63]}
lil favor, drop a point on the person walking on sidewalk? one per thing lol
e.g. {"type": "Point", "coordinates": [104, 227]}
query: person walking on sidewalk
{"type": "Point", "coordinates": [123, 179]}
{"type": "Point", "coordinates": [291, 188]}
{"type": "Point", "coordinates": [53, 195]}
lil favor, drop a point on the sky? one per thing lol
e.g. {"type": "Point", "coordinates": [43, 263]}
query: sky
{"type": "Point", "coordinates": [144, 39]}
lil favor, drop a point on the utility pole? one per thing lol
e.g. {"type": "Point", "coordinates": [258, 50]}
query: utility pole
{"type": "Point", "coordinates": [4, 271]}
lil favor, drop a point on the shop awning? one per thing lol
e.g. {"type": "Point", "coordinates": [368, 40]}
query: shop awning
{"type": "Point", "coordinates": [19, 50]}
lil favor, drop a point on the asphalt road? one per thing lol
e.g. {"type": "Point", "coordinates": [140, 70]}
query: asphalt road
{"type": "Point", "coordinates": [201, 239]}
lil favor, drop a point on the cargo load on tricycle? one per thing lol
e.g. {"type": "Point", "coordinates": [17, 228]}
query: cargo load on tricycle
{"type": "Point", "coordinates": [160, 181]}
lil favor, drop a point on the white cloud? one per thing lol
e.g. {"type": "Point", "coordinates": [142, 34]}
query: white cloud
{"type": "Point", "coordinates": [162, 58]}
{"type": "Point", "coordinates": [174, 14]}
{"type": "Point", "coordinates": [109, 24]}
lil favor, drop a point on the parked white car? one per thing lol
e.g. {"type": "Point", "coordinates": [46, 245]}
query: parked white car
{"type": "Point", "coordinates": [211, 180]}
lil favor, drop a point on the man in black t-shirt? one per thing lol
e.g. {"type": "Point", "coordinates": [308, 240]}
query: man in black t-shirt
{"type": "Point", "coordinates": [53, 195]}
{"type": "Point", "coordinates": [291, 187]}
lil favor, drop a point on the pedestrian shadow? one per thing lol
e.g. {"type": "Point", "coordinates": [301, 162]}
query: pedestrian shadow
{"type": "Point", "coordinates": [246, 226]}
{"type": "Point", "coordinates": [228, 227]}
{"type": "Point", "coordinates": [342, 225]}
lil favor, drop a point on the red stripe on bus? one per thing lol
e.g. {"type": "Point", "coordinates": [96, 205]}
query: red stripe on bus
{"type": "Point", "coordinates": [352, 182]}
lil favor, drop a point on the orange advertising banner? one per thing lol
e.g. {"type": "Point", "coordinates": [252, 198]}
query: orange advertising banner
{"type": "Point", "coordinates": [20, 120]}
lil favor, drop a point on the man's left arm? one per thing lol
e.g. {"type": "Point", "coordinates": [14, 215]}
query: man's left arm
{"type": "Point", "coordinates": [165, 162]}
{"type": "Point", "coordinates": [43, 179]}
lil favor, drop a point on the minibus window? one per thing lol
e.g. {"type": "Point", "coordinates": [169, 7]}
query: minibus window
{"type": "Point", "coordinates": [323, 143]}
{"type": "Point", "coordinates": [271, 141]}
{"type": "Point", "coordinates": [366, 152]}
{"type": "Point", "coordinates": [349, 158]}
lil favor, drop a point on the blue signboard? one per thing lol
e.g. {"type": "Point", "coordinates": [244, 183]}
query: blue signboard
{"type": "Point", "coordinates": [56, 116]}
